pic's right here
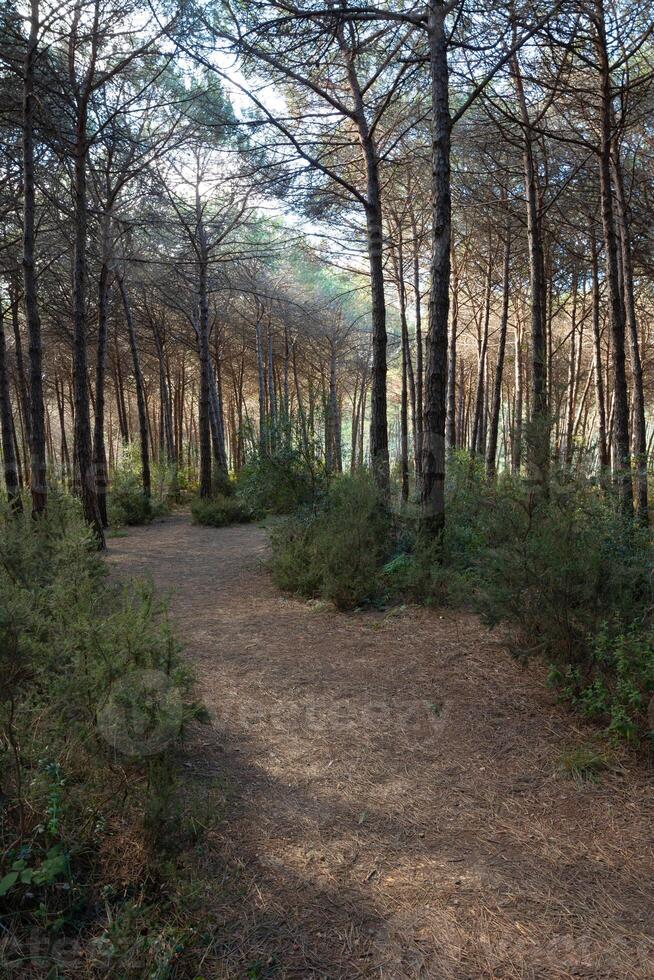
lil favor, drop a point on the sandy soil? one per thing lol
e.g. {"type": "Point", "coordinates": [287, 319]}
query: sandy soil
{"type": "Point", "coordinates": [397, 804]}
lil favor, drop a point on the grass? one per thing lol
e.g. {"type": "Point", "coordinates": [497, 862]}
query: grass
{"type": "Point", "coordinates": [585, 762]}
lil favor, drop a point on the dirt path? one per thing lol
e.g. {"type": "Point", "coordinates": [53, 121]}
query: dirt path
{"type": "Point", "coordinates": [397, 804]}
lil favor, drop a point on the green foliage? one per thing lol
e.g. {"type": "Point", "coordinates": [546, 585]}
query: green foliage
{"type": "Point", "coordinates": [584, 762]}
{"type": "Point", "coordinates": [127, 504]}
{"type": "Point", "coordinates": [336, 552]}
{"type": "Point", "coordinates": [281, 482]}
{"type": "Point", "coordinates": [563, 568]}
{"type": "Point", "coordinates": [220, 510]}
{"type": "Point", "coordinates": [67, 639]}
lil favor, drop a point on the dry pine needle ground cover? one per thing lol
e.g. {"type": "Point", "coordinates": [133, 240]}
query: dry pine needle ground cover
{"type": "Point", "coordinates": [398, 800]}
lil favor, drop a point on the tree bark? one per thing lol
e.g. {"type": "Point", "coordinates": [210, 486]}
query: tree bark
{"type": "Point", "coordinates": [83, 446]}
{"type": "Point", "coordinates": [621, 460]}
{"type": "Point", "coordinates": [140, 393]}
{"type": "Point", "coordinates": [7, 430]}
{"type": "Point", "coordinates": [538, 448]}
{"type": "Point", "coordinates": [639, 435]}
{"type": "Point", "coordinates": [38, 465]}
{"type": "Point", "coordinates": [433, 450]}
{"type": "Point", "coordinates": [602, 447]}
{"type": "Point", "coordinates": [491, 449]}
{"type": "Point", "coordinates": [99, 449]}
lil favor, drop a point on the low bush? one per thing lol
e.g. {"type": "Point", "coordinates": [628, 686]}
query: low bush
{"type": "Point", "coordinates": [569, 575]}
{"type": "Point", "coordinates": [220, 510]}
{"type": "Point", "coordinates": [337, 551]}
{"type": "Point", "coordinates": [94, 700]}
{"type": "Point", "coordinates": [127, 504]}
{"type": "Point", "coordinates": [281, 482]}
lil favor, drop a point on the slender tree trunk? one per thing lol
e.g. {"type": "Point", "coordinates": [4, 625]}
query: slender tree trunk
{"type": "Point", "coordinates": [602, 448]}
{"type": "Point", "coordinates": [83, 445]}
{"type": "Point", "coordinates": [419, 358]}
{"type": "Point", "coordinates": [379, 458]}
{"type": "Point", "coordinates": [20, 376]}
{"type": "Point", "coordinates": [491, 449]}
{"type": "Point", "coordinates": [7, 430]}
{"type": "Point", "coordinates": [621, 461]}
{"type": "Point", "coordinates": [407, 380]}
{"type": "Point", "coordinates": [451, 372]}
{"type": "Point", "coordinates": [640, 425]}
{"type": "Point", "coordinates": [477, 444]}
{"type": "Point", "coordinates": [538, 448]}
{"type": "Point", "coordinates": [204, 401]}
{"type": "Point", "coordinates": [38, 466]}
{"type": "Point", "coordinates": [140, 392]}
{"type": "Point", "coordinates": [433, 450]}
{"type": "Point", "coordinates": [572, 376]}
{"type": "Point", "coordinates": [272, 401]}
{"type": "Point", "coordinates": [99, 449]}
{"type": "Point", "coordinates": [261, 374]}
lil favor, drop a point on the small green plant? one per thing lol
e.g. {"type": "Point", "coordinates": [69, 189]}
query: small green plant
{"type": "Point", "coordinates": [127, 503]}
{"type": "Point", "coordinates": [280, 482]}
{"type": "Point", "coordinates": [337, 552]}
{"type": "Point", "coordinates": [584, 762]}
{"type": "Point", "coordinates": [220, 510]}
{"type": "Point", "coordinates": [72, 644]}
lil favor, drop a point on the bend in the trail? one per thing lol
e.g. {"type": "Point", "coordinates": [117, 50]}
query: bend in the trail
{"type": "Point", "coordinates": [396, 804]}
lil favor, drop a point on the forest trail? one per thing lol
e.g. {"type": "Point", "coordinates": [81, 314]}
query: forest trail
{"type": "Point", "coordinates": [395, 803]}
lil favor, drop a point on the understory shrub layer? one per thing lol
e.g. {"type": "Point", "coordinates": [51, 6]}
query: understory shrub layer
{"type": "Point", "coordinates": [569, 576]}
{"type": "Point", "coordinates": [335, 552]}
{"type": "Point", "coordinates": [94, 699]}
{"type": "Point", "coordinates": [127, 504]}
{"type": "Point", "coordinates": [280, 482]}
{"type": "Point", "coordinates": [220, 510]}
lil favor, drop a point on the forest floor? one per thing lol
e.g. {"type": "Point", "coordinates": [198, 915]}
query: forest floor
{"type": "Point", "coordinates": [395, 795]}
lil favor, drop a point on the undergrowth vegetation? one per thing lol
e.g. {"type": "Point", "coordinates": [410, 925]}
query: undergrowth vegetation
{"type": "Point", "coordinates": [94, 702]}
{"type": "Point", "coordinates": [280, 482]}
{"type": "Point", "coordinates": [220, 510]}
{"type": "Point", "coordinates": [569, 576]}
{"type": "Point", "coordinates": [127, 503]}
{"type": "Point", "coordinates": [335, 551]}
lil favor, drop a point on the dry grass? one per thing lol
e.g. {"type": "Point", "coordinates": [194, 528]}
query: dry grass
{"type": "Point", "coordinates": [398, 805]}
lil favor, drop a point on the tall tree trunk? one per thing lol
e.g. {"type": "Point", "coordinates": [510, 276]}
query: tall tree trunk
{"type": "Point", "coordinates": [407, 381]}
{"type": "Point", "coordinates": [433, 450]}
{"type": "Point", "coordinates": [99, 449]}
{"type": "Point", "coordinates": [621, 460]}
{"type": "Point", "coordinates": [572, 377]}
{"type": "Point", "coordinates": [140, 393]}
{"type": "Point", "coordinates": [7, 429]}
{"type": "Point", "coordinates": [204, 401]}
{"type": "Point", "coordinates": [15, 295]}
{"type": "Point", "coordinates": [83, 446]}
{"type": "Point", "coordinates": [640, 426]}
{"type": "Point", "coordinates": [516, 443]}
{"type": "Point", "coordinates": [419, 358]}
{"type": "Point", "coordinates": [272, 402]}
{"type": "Point", "coordinates": [538, 448]}
{"type": "Point", "coordinates": [261, 376]}
{"type": "Point", "coordinates": [491, 449]}
{"type": "Point", "coordinates": [38, 466]}
{"type": "Point", "coordinates": [602, 447]}
{"type": "Point", "coordinates": [451, 371]}
{"type": "Point", "coordinates": [379, 458]}
{"type": "Point", "coordinates": [477, 444]}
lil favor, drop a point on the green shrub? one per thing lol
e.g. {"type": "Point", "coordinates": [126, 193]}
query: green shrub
{"type": "Point", "coordinates": [127, 504]}
{"type": "Point", "coordinates": [220, 510]}
{"type": "Point", "coordinates": [80, 659]}
{"type": "Point", "coordinates": [564, 569]}
{"type": "Point", "coordinates": [280, 483]}
{"type": "Point", "coordinates": [338, 551]}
